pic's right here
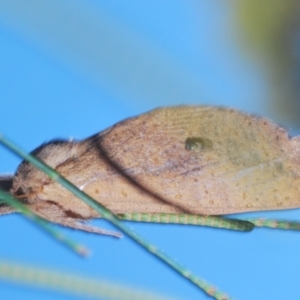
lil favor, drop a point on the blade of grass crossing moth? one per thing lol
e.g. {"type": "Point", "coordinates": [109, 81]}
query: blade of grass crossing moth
{"type": "Point", "coordinates": [187, 219]}
{"type": "Point", "coordinates": [275, 224]}
{"type": "Point", "coordinates": [106, 214]}
{"type": "Point", "coordinates": [73, 246]}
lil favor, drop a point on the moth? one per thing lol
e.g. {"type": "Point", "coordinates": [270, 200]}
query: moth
{"type": "Point", "coordinates": [194, 160]}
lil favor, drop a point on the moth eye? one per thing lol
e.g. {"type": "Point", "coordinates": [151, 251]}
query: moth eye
{"type": "Point", "coordinates": [198, 144]}
{"type": "Point", "coordinates": [19, 192]}
{"type": "Point", "coordinates": [22, 193]}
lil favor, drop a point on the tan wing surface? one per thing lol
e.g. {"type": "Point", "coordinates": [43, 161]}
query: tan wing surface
{"type": "Point", "coordinates": [207, 160]}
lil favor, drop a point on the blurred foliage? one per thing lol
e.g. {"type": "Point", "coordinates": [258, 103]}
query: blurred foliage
{"type": "Point", "coordinates": [72, 284]}
{"type": "Point", "coordinates": [270, 34]}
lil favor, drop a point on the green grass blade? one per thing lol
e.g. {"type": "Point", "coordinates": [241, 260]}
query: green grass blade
{"type": "Point", "coordinates": [106, 214]}
{"type": "Point", "coordinates": [72, 284]}
{"type": "Point", "coordinates": [73, 246]}
{"type": "Point", "coordinates": [187, 219]}
{"type": "Point", "coordinates": [275, 224]}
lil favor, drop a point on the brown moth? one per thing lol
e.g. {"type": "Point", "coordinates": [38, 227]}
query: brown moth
{"type": "Point", "coordinates": [186, 159]}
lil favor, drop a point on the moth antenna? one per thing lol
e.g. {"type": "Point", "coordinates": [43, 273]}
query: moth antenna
{"type": "Point", "coordinates": [5, 185]}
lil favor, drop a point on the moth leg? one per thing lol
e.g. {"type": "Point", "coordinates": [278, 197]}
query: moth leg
{"type": "Point", "coordinates": [89, 228]}
{"type": "Point", "coordinates": [52, 212]}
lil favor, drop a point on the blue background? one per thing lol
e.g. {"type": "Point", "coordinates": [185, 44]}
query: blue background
{"type": "Point", "coordinates": [73, 68]}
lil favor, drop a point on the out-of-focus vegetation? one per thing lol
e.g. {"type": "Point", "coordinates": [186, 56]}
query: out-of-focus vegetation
{"type": "Point", "coordinates": [270, 32]}
{"type": "Point", "coordinates": [76, 285]}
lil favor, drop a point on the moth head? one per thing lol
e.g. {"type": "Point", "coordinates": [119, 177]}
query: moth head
{"type": "Point", "coordinates": [29, 181]}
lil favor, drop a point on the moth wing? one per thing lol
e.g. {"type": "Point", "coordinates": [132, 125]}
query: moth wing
{"type": "Point", "coordinates": [206, 160]}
